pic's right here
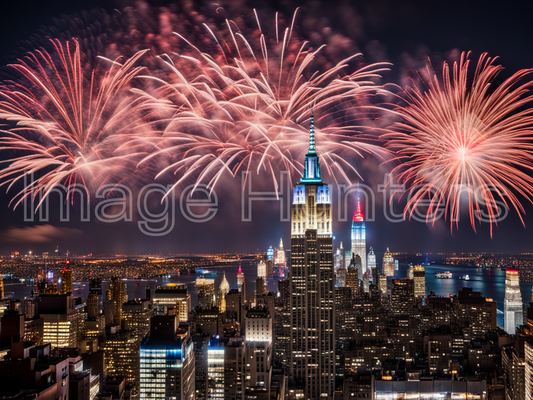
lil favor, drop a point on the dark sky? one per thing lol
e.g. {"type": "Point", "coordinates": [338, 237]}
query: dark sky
{"type": "Point", "coordinates": [402, 32]}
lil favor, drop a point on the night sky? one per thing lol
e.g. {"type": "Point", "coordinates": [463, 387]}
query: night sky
{"type": "Point", "coordinates": [401, 32]}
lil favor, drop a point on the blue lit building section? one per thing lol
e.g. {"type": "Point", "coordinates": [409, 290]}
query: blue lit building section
{"type": "Point", "coordinates": [359, 239]}
{"type": "Point", "coordinates": [167, 366]}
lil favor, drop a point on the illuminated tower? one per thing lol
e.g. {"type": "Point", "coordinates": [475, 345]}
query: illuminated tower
{"type": "Point", "coordinates": [1, 287]}
{"type": "Point", "coordinates": [340, 270]}
{"type": "Point", "coordinates": [312, 362]}
{"type": "Point", "coordinates": [66, 281]}
{"type": "Point", "coordinates": [280, 256]}
{"type": "Point", "coordinates": [419, 277]}
{"type": "Point", "coordinates": [512, 306]}
{"type": "Point", "coordinates": [371, 260]}
{"type": "Point", "coordinates": [280, 262]}
{"type": "Point", "coordinates": [241, 284]}
{"type": "Point", "coordinates": [338, 259]}
{"type": "Point", "coordinates": [270, 254]}
{"type": "Point", "coordinates": [221, 301]}
{"type": "Point", "coordinates": [261, 269]}
{"type": "Point", "coordinates": [206, 291]}
{"type": "Point", "coordinates": [388, 264]}
{"type": "Point", "coordinates": [359, 238]}
{"type": "Point", "coordinates": [224, 285]}
{"type": "Point", "coordinates": [118, 297]}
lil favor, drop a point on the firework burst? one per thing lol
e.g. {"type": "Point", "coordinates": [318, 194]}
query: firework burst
{"type": "Point", "coordinates": [68, 124]}
{"type": "Point", "coordinates": [246, 107]}
{"type": "Point", "coordinates": [464, 138]}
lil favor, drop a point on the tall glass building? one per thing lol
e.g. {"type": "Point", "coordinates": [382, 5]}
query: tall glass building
{"type": "Point", "coordinates": [167, 361]}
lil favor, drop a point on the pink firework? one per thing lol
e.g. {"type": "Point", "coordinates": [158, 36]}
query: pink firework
{"type": "Point", "coordinates": [69, 124]}
{"type": "Point", "coordinates": [245, 106]}
{"type": "Point", "coordinates": [465, 139]}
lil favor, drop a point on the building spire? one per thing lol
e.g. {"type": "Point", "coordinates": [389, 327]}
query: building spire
{"type": "Point", "coordinates": [311, 165]}
{"type": "Point", "coordinates": [312, 149]}
{"type": "Point", "coordinates": [358, 216]}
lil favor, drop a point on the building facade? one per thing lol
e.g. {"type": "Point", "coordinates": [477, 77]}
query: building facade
{"type": "Point", "coordinates": [359, 239]}
{"type": "Point", "coordinates": [513, 312]}
{"type": "Point", "coordinates": [167, 368]}
{"type": "Point", "coordinates": [312, 280]}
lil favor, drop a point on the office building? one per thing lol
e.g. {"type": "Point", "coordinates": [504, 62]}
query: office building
{"type": "Point", "coordinates": [261, 269]}
{"type": "Point", "coordinates": [419, 279]}
{"type": "Point", "coordinates": [66, 281]}
{"type": "Point", "coordinates": [215, 369]}
{"type": "Point", "coordinates": [402, 296]}
{"type": "Point", "coordinates": [260, 286]}
{"type": "Point", "coordinates": [137, 314]}
{"type": "Point", "coordinates": [429, 389]}
{"type": "Point", "coordinates": [167, 366]}
{"type": "Point", "coordinates": [121, 355]}
{"type": "Point", "coordinates": [206, 292]}
{"type": "Point", "coordinates": [282, 325]}
{"type": "Point", "coordinates": [258, 343]}
{"type": "Point", "coordinates": [388, 264]}
{"type": "Point", "coordinates": [513, 312]}
{"type": "Point", "coordinates": [63, 320]}
{"type": "Point", "coordinates": [118, 298]}
{"type": "Point", "coordinates": [241, 284]}
{"type": "Point", "coordinates": [352, 273]}
{"type": "Point", "coordinates": [32, 372]}
{"type": "Point", "coordinates": [371, 261]}
{"type": "Point", "coordinates": [173, 297]}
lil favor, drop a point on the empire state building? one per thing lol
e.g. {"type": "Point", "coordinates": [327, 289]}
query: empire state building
{"type": "Point", "coordinates": [312, 283]}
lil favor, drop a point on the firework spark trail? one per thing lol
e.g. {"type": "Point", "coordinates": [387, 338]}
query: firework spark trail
{"type": "Point", "coordinates": [461, 134]}
{"type": "Point", "coordinates": [244, 110]}
{"type": "Point", "coordinates": [69, 124]}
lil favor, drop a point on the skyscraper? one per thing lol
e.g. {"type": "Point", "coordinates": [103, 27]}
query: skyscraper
{"type": "Point", "coordinates": [118, 297]}
{"type": "Point", "coordinates": [371, 260]}
{"type": "Point", "coordinates": [280, 260]}
{"type": "Point", "coordinates": [352, 273]}
{"type": "Point", "coordinates": [282, 325]}
{"type": "Point", "coordinates": [261, 269]}
{"type": "Point", "coordinates": [419, 277]}
{"type": "Point", "coordinates": [167, 361]}
{"type": "Point", "coordinates": [513, 313]}
{"type": "Point", "coordinates": [260, 287]}
{"type": "Point", "coordinates": [388, 264]}
{"type": "Point", "coordinates": [224, 285]}
{"type": "Point", "coordinates": [206, 291]}
{"type": "Point", "coordinates": [223, 290]}
{"type": "Point", "coordinates": [241, 283]}
{"type": "Point", "coordinates": [270, 254]}
{"type": "Point", "coordinates": [312, 282]}
{"type": "Point", "coordinates": [258, 347]}
{"type": "Point", "coordinates": [338, 258]}
{"type": "Point", "coordinates": [62, 319]}
{"type": "Point", "coordinates": [402, 296]}
{"type": "Point", "coordinates": [215, 369]}
{"type": "Point", "coordinates": [66, 281]}
{"type": "Point", "coordinates": [175, 297]}
{"type": "Point", "coordinates": [359, 238]}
